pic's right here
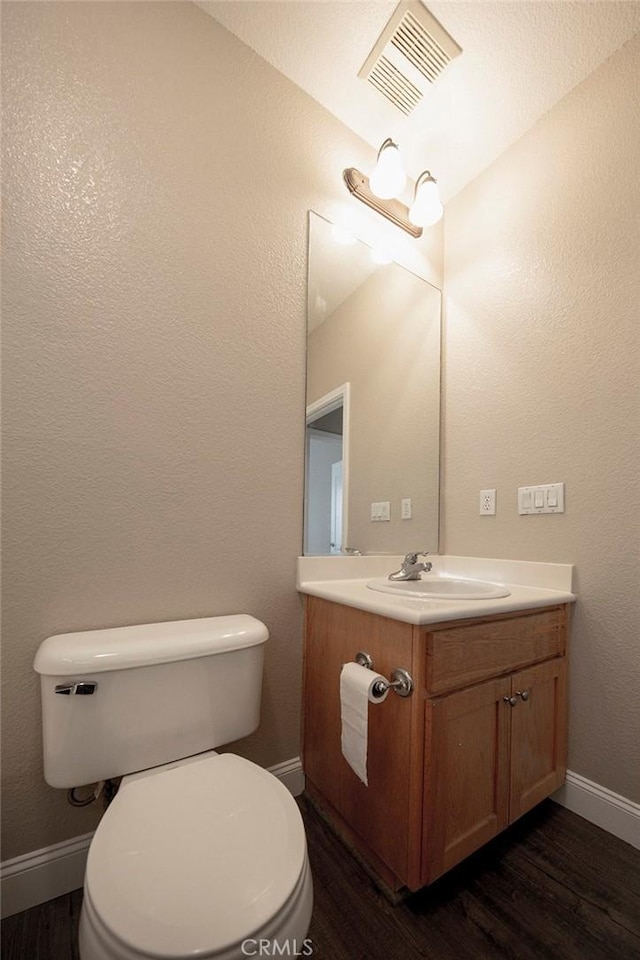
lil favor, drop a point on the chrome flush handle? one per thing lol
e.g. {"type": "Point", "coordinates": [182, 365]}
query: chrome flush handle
{"type": "Point", "coordinates": [81, 688]}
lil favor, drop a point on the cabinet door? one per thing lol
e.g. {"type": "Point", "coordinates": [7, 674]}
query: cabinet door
{"type": "Point", "coordinates": [538, 734]}
{"type": "Point", "coordinates": [466, 785]}
{"type": "Point", "coordinates": [380, 813]}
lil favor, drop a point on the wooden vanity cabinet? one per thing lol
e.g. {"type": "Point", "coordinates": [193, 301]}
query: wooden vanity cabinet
{"type": "Point", "coordinates": [488, 762]}
{"type": "Point", "coordinates": [379, 814]}
{"type": "Point", "coordinates": [481, 740]}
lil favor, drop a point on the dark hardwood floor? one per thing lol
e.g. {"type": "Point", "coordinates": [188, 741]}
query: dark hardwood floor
{"type": "Point", "coordinates": [553, 887]}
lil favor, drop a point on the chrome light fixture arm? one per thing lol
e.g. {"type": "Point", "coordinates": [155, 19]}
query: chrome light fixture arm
{"type": "Point", "coordinates": [394, 210]}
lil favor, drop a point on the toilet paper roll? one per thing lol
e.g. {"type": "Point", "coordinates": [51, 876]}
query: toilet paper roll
{"type": "Point", "coordinates": [356, 693]}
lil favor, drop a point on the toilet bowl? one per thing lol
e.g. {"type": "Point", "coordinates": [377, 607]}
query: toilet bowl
{"type": "Point", "coordinates": [202, 858]}
{"type": "Point", "coordinates": [199, 854]}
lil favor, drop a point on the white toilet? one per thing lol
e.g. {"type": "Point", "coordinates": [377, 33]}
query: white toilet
{"type": "Point", "coordinates": [199, 854]}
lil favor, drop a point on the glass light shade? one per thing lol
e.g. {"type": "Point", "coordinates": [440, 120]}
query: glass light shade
{"type": "Point", "coordinates": [426, 208]}
{"type": "Point", "coordinates": [388, 178]}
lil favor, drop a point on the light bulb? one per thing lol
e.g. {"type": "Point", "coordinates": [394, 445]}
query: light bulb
{"type": "Point", "coordinates": [426, 208]}
{"type": "Point", "coordinates": [388, 178]}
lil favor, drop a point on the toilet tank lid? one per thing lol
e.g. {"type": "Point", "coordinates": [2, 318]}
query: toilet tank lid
{"type": "Point", "coordinates": [119, 648]}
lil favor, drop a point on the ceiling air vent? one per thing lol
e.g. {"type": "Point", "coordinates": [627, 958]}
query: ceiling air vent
{"type": "Point", "coordinates": [411, 53]}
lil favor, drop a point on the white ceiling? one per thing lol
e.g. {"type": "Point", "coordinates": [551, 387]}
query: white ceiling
{"type": "Point", "coordinates": [519, 58]}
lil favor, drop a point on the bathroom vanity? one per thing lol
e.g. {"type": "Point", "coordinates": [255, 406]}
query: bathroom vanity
{"type": "Point", "coordinates": [481, 739]}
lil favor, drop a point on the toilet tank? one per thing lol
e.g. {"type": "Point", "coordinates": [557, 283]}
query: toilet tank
{"type": "Point", "coordinates": [125, 699]}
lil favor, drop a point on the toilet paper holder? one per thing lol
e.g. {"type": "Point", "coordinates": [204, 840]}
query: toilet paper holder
{"type": "Point", "coordinates": [401, 682]}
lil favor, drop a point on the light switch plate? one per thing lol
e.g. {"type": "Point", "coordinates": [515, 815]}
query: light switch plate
{"type": "Point", "coordinates": [405, 509]}
{"type": "Point", "coordinates": [543, 498]}
{"type": "Point", "coordinates": [380, 511]}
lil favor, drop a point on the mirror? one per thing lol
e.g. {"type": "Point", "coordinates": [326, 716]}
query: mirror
{"type": "Point", "coordinates": [373, 401]}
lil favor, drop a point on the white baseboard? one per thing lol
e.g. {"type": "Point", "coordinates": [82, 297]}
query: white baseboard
{"type": "Point", "coordinates": [290, 773]}
{"type": "Point", "coordinates": [44, 874]}
{"type": "Point", "coordinates": [606, 809]}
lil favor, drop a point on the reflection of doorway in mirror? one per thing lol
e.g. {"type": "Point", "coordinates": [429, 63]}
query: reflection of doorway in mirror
{"type": "Point", "coordinates": [323, 528]}
{"type": "Point", "coordinates": [326, 473]}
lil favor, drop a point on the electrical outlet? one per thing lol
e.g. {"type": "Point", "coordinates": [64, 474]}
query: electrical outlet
{"type": "Point", "coordinates": [487, 503]}
{"type": "Point", "coordinates": [405, 509]}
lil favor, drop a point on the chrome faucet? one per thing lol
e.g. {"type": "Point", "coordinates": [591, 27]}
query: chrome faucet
{"type": "Point", "coordinates": [411, 569]}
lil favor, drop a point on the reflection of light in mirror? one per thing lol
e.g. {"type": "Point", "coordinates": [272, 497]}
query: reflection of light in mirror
{"type": "Point", "coordinates": [321, 305]}
{"type": "Point", "coordinates": [340, 235]}
{"type": "Point", "coordinates": [380, 256]}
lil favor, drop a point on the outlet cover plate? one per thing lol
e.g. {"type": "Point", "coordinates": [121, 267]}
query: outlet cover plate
{"type": "Point", "coordinates": [487, 503]}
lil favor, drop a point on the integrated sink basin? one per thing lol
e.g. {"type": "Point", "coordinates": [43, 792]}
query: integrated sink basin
{"type": "Point", "coordinates": [440, 588]}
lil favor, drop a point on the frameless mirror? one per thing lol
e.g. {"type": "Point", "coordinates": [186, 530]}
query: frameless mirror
{"type": "Point", "coordinates": [373, 401]}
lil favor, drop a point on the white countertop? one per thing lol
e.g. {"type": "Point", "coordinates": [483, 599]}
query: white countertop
{"type": "Point", "coordinates": [344, 580]}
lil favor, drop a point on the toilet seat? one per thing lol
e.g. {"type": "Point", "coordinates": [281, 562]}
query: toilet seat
{"type": "Point", "coordinates": [193, 858]}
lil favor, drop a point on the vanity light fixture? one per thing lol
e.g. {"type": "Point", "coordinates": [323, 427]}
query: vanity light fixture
{"type": "Point", "coordinates": [387, 180]}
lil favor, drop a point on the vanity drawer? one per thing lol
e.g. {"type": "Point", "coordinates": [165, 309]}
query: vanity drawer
{"type": "Point", "coordinates": [458, 656]}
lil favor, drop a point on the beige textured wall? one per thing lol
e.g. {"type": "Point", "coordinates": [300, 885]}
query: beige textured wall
{"type": "Point", "coordinates": [542, 369]}
{"type": "Point", "coordinates": [157, 180]}
{"type": "Point", "coordinates": [385, 340]}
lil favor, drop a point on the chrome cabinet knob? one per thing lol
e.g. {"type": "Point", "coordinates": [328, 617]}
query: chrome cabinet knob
{"type": "Point", "coordinates": [523, 694]}
{"type": "Point", "coordinates": [512, 701]}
